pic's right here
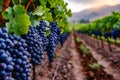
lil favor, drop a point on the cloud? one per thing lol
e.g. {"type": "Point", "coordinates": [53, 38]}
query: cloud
{"type": "Point", "coordinates": [81, 1]}
{"type": "Point", "coordinates": [95, 1]}
{"type": "Point", "coordinates": [78, 5]}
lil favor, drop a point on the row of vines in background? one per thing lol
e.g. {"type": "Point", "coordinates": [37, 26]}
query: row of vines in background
{"type": "Point", "coordinates": [28, 30]}
{"type": "Point", "coordinates": [106, 27]}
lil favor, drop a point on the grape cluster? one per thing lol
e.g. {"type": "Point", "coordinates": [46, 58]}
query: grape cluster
{"type": "Point", "coordinates": [63, 37]}
{"type": "Point", "coordinates": [35, 45]}
{"type": "Point", "coordinates": [6, 61]}
{"type": "Point", "coordinates": [107, 34]}
{"type": "Point", "coordinates": [53, 40]}
{"type": "Point", "coordinates": [17, 52]}
{"type": "Point", "coordinates": [96, 33]}
{"type": "Point", "coordinates": [22, 68]}
{"type": "Point", "coordinates": [6, 65]}
{"type": "Point", "coordinates": [13, 53]}
{"type": "Point", "coordinates": [42, 32]}
{"type": "Point", "coordinates": [115, 34]}
{"type": "Point", "coordinates": [38, 42]}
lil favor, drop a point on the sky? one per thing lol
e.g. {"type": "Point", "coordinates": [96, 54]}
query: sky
{"type": "Point", "coordinates": [79, 5]}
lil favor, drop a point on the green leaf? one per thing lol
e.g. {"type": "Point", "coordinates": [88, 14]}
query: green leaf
{"type": "Point", "coordinates": [19, 25]}
{"type": "Point", "coordinates": [15, 1]}
{"type": "Point", "coordinates": [10, 25]}
{"type": "Point", "coordinates": [117, 25]}
{"type": "Point", "coordinates": [108, 25]}
{"type": "Point", "coordinates": [69, 13]}
{"type": "Point", "coordinates": [47, 23]}
{"type": "Point", "coordinates": [8, 14]}
{"type": "Point", "coordinates": [2, 2]}
{"type": "Point", "coordinates": [47, 31]}
{"type": "Point", "coordinates": [1, 7]}
{"type": "Point", "coordinates": [19, 9]}
{"type": "Point", "coordinates": [78, 39]}
{"type": "Point", "coordinates": [34, 22]}
{"type": "Point", "coordinates": [94, 66]}
{"type": "Point", "coordinates": [43, 3]}
{"type": "Point", "coordinates": [22, 24]}
{"type": "Point", "coordinates": [52, 3]}
{"type": "Point", "coordinates": [48, 17]}
{"type": "Point", "coordinates": [39, 11]}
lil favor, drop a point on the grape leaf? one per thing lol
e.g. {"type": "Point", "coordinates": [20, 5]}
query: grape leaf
{"type": "Point", "coordinates": [47, 23]}
{"type": "Point", "coordinates": [19, 9]}
{"type": "Point", "coordinates": [47, 31]}
{"type": "Point", "coordinates": [43, 3]}
{"type": "Point", "coordinates": [8, 14]}
{"type": "Point", "coordinates": [10, 25]}
{"type": "Point", "coordinates": [69, 13]}
{"type": "Point", "coordinates": [1, 7]}
{"type": "Point", "coordinates": [34, 20]}
{"type": "Point", "coordinates": [2, 2]}
{"type": "Point", "coordinates": [15, 1]}
{"type": "Point", "coordinates": [22, 24]}
{"type": "Point", "coordinates": [48, 16]}
{"type": "Point", "coordinates": [117, 25]}
{"type": "Point", "coordinates": [39, 11]}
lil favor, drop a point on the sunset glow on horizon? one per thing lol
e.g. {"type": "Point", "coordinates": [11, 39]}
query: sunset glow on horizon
{"type": "Point", "coordinates": [79, 5]}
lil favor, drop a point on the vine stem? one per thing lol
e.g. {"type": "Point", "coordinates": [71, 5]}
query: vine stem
{"type": "Point", "coordinates": [34, 73]}
{"type": "Point", "coordinates": [6, 5]}
{"type": "Point", "coordinates": [33, 6]}
{"type": "Point", "coordinates": [28, 4]}
{"type": "Point", "coordinates": [55, 72]}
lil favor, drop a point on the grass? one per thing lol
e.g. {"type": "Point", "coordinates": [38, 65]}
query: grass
{"type": "Point", "coordinates": [56, 56]}
{"type": "Point", "coordinates": [78, 39]}
{"type": "Point", "coordinates": [118, 41]}
{"type": "Point", "coordinates": [95, 66]}
{"type": "Point", "coordinates": [84, 49]}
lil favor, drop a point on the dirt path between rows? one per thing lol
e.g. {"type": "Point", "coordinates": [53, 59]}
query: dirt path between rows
{"type": "Point", "coordinates": [77, 69]}
{"type": "Point", "coordinates": [70, 62]}
{"type": "Point", "coordinates": [67, 66]}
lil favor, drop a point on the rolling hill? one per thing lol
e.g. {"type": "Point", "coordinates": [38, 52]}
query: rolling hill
{"type": "Point", "coordinates": [94, 13]}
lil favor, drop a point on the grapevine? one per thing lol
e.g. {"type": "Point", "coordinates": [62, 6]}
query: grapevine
{"type": "Point", "coordinates": [29, 29]}
{"type": "Point", "coordinates": [107, 26]}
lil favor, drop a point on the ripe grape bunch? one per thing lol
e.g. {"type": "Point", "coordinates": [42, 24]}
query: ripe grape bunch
{"type": "Point", "coordinates": [53, 38]}
{"type": "Point", "coordinates": [35, 45]}
{"type": "Point", "coordinates": [6, 61]}
{"type": "Point", "coordinates": [107, 34]}
{"type": "Point", "coordinates": [17, 53]}
{"type": "Point", "coordinates": [96, 33]}
{"type": "Point", "coordinates": [42, 28]}
{"type": "Point", "coordinates": [115, 34]}
{"type": "Point", "coordinates": [38, 42]}
{"type": "Point", "coordinates": [63, 37]}
{"type": "Point", "coordinates": [13, 57]}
